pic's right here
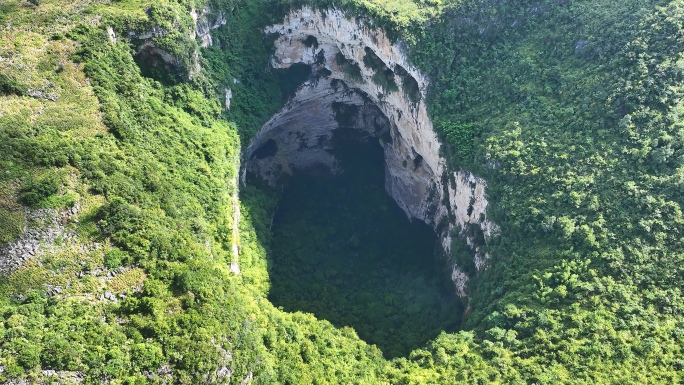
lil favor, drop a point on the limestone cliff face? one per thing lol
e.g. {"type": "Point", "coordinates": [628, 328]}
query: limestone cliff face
{"type": "Point", "coordinates": [206, 21]}
{"type": "Point", "coordinates": [149, 52]}
{"type": "Point", "coordinates": [360, 79]}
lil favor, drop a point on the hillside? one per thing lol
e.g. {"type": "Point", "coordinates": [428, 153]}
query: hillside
{"type": "Point", "coordinates": [341, 192]}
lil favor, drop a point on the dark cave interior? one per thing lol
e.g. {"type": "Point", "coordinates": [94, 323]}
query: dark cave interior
{"type": "Point", "coordinates": [343, 250]}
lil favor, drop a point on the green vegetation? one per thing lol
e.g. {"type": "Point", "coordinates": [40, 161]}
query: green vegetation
{"type": "Point", "coordinates": [571, 110]}
{"type": "Point", "coordinates": [382, 76]}
{"type": "Point", "coordinates": [344, 251]}
{"type": "Point", "coordinates": [574, 128]}
{"type": "Point", "coordinates": [348, 67]}
{"type": "Point", "coordinates": [409, 84]}
{"type": "Point", "coordinates": [9, 86]}
{"type": "Point", "coordinates": [43, 190]}
{"type": "Point", "coordinates": [11, 224]}
{"type": "Point", "coordinates": [11, 214]}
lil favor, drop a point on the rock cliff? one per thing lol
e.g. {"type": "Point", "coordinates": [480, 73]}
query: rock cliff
{"type": "Point", "coordinates": [360, 79]}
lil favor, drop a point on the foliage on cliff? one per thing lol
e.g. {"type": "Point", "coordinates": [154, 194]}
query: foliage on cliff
{"type": "Point", "coordinates": [344, 251]}
{"type": "Point", "coordinates": [570, 109]}
{"type": "Point", "coordinates": [577, 128]}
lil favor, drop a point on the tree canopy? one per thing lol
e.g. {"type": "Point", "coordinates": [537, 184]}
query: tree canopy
{"type": "Point", "coordinates": [570, 109]}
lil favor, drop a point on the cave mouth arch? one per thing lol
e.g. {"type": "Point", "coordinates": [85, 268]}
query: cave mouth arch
{"type": "Point", "coordinates": [358, 69]}
{"type": "Point", "coordinates": [343, 78]}
{"type": "Point", "coordinates": [342, 247]}
{"type": "Point", "coordinates": [343, 250]}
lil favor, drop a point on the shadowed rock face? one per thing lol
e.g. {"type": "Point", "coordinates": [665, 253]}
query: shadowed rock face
{"type": "Point", "coordinates": [360, 80]}
{"type": "Point", "coordinates": [151, 57]}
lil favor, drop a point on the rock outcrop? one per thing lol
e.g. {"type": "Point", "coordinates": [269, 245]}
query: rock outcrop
{"type": "Point", "coordinates": [206, 21]}
{"type": "Point", "coordinates": [48, 227]}
{"type": "Point", "coordinates": [186, 64]}
{"type": "Point", "coordinates": [360, 79]}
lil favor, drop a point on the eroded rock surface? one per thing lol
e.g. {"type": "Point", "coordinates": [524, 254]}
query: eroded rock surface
{"type": "Point", "coordinates": [206, 21]}
{"type": "Point", "coordinates": [359, 79]}
{"type": "Point", "coordinates": [150, 53]}
{"type": "Point", "coordinates": [37, 239]}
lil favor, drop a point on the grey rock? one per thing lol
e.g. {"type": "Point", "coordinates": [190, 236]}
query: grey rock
{"type": "Point", "coordinates": [579, 46]}
{"type": "Point", "coordinates": [299, 136]}
{"type": "Point", "coordinates": [224, 372]}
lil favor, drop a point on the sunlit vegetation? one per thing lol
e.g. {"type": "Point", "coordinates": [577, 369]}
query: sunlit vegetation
{"type": "Point", "coordinates": [571, 110]}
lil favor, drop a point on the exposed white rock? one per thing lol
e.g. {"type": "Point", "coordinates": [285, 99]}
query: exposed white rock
{"type": "Point", "coordinates": [156, 31]}
{"type": "Point", "coordinates": [38, 239]}
{"type": "Point", "coordinates": [299, 135]}
{"type": "Point", "coordinates": [149, 47]}
{"type": "Point", "coordinates": [62, 377]}
{"type": "Point", "coordinates": [163, 375]}
{"type": "Point", "coordinates": [460, 280]}
{"type": "Point", "coordinates": [229, 96]}
{"type": "Point", "coordinates": [235, 230]}
{"type": "Point", "coordinates": [194, 15]}
{"type": "Point", "coordinates": [205, 22]}
{"type": "Point", "coordinates": [248, 379]}
{"type": "Point", "coordinates": [303, 131]}
{"type": "Point", "coordinates": [111, 34]}
{"type": "Point", "coordinates": [152, 53]}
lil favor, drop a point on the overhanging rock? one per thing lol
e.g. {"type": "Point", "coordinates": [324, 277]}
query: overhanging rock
{"type": "Point", "coordinates": [361, 80]}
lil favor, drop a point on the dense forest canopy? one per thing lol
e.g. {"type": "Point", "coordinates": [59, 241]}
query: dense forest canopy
{"type": "Point", "coordinates": [119, 179]}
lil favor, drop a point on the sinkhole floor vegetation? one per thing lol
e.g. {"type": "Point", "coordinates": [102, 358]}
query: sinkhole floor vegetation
{"type": "Point", "coordinates": [343, 250]}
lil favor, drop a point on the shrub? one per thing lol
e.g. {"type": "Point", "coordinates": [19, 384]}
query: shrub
{"type": "Point", "coordinates": [10, 87]}
{"type": "Point", "coordinates": [11, 224]}
{"type": "Point", "coordinates": [38, 189]}
{"type": "Point", "coordinates": [116, 258]}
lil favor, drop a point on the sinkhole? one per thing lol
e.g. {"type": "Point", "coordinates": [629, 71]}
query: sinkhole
{"type": "Point", "coordinates": [343, 249]}
{"type": "Point", "coordinates": [367, 212]}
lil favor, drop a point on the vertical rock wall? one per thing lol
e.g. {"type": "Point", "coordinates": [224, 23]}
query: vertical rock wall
{"type": "Point", "coordinates": [356, 66]}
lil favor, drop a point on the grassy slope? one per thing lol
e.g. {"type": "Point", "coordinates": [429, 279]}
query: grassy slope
{"type": "Point", "coordinates": [584, 284]}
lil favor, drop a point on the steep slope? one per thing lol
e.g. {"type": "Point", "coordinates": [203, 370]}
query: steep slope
{"type": "Point", "coordinates": [126, 255]}
{"type": "Point", "coordinates": [360, 79]}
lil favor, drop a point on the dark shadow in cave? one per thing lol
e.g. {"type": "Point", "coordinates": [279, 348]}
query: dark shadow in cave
{"type": "Point", "coordinates": [266, 150]}
{"type": "Point", "coordinates": [343, 250]}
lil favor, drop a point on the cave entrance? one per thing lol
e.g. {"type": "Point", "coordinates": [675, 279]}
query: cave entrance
{"type": "Point", "coordinates": [343, 250]}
